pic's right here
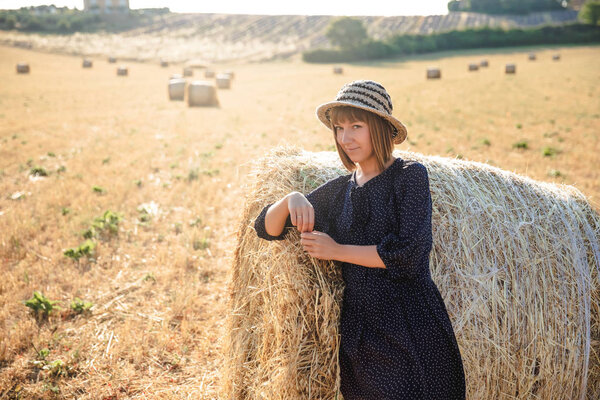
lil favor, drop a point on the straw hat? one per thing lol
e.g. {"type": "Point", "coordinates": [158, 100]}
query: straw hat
{"type": "Point", "coordinates": [369, 96]}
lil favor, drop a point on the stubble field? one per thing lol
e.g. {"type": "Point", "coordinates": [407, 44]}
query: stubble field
{"type": "Point", "coordinates": [176, 175]}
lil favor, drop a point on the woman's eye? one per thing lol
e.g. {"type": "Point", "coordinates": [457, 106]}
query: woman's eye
{"type": "Point", "coordinates": [356, 126]}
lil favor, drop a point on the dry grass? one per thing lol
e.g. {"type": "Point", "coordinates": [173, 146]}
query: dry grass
{"type": "Point", "coordinates": [124, 135]}
{"type": "Point", "coordinates": [516, 260]}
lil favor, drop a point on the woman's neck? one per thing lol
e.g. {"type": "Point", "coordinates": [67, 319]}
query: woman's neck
{"type": "Point", "coordinates": [369, 169]}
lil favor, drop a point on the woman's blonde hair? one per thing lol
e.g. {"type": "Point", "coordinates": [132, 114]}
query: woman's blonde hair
{"type": "Point", "coordinates": [380, 129]}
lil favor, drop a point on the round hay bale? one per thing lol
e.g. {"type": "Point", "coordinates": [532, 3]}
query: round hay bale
{"type": "Point", "coordinates": [23, 68]}
{"type": "Point", "coordinates": [87, 63]}
{"type": "Point", "coordinates": [484, 64]}
{"type": "Point", "coordinates": [122, 71]}
{"type": "Point", "coordinates": [516, 262]}
{"type": "Point", "coordinates": [473, 67]}
{"type": "Point", "coordinates": [164, 63]}
{"type": "Point", "coordinates": [223, 81]}
{"type": "Point", "coordinates": [532, 57]}
{"type": "Point", "coordinates": [176, 76]}
{"type": "Point", "coordinates": [230, 73]}
{"type": "Point", "coordinates": [338, 70]}
{"type": "Point", "coordinates": [510, 69]}
{"type": "Point", "coordinates": [202, 94]}
{"type": "Point", "coordinates": [187, 71]}
{"type": "Point", "coordinates": [209, 73]}
{"type": "Point", "coordinates": [556, 57]}
{"type": "Point", "coordinates": [177, 89]}
{"type": "Point", "coordinates": [112, 60]}
{"type": "Point", "coordinates": [434, 73]}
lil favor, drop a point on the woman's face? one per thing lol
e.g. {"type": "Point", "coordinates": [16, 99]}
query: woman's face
{"type": "Point", "coordinates": [355, 139]}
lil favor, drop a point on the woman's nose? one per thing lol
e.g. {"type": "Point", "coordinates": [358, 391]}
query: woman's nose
{"type": "Point", "coordinates": [346, 137]}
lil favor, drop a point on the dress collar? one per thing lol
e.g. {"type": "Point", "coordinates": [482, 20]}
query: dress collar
{"type": "Point", "coordinates": [397, 162]}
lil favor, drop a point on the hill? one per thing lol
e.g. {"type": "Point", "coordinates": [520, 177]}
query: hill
{"type": "Point", "coordinates": [227, 38]}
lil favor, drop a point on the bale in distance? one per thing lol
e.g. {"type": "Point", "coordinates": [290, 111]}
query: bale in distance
{"type": "Point", "coordinates": [556, 57]}
{"type": "Point", "coordinates": [473, 67]}
{"type": "Point", "coordinates": [176, 76]}
{"type": "Point", "coordinates": [188, 71]}
{"type": "Point", "coordinates": [532, 57]}
{"type": "Point", "coordinates": [230, 73]}
{"type": "Point", "coordinates": [434, 73]}
{"type": "Point", "coordinates": [209, 73]}
{"type": "Point", "coordinates": [202, 94]}
{"type": "Point", "coordinates": [177, 89]}
{"type": "Point", "coordinates": [122, 71]}
{"type": "Point", "coordinates": [86, 63]}
{"type": "Point", "coordinates": [23, 68]}
{"type": "Point", "coordinates": [484, 63]}
{"type": "Point", "coordinates": [223, 81]}
{"type": "Point", "coordinates": [500, 242]}
{"type": "Point", "coordinates": [510, 69]}
{"type": "Point", "coordinates": [112, 60]}
{"type": "Point", "coordinates": [164, 63]}
{"type": "Point", "coordinates": [338, 70]}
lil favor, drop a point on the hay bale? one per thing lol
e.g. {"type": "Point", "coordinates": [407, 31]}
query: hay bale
{"type": "Point", "coordinates": [164, 63]}
{"type": "Point", "coordinates": [23, 68]}
{"type": "Point", "coordinates": [510, 69]}
{"type": "Point", "coordinates": [223, 81]}
{"type": "Point", "coordinates": [122, 71]}
{"type": "Point", "coordinates": [177, 89]}
{"type": "Point", "coordinates": [202, 94]}
{"type": "Point", "coordinates": [188, 71]}
{"type": "Point", "coordinates": [209, 73]}
{"type": "Point", "coordinates": [176, 76]}
{"type": "Point", "coordinates": [473, 67]}
{"type": "Point", "coordinates": [86, 63]}
{"type": "Point", "coordinates": [338, 70]}
{"type": "Point", "coordinates": [230, 73]}
{"type": "Point", "coordinates": [556, 57]}
{"type": "Point", "coordinates": [532, 57]}
{"type": "Point", "coordinates": [515, 260]}
{"type": "Point", "coordinates": [112, 60]}
{"type": "Point", "coordinates": [484, 64]}
{"type": "Point", "coordinates": [434, 73]}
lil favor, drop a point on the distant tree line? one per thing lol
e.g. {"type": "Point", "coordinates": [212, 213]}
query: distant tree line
{"type": "Point", "coordinates": [357, 46]}
{"type": "Point", "coordinates": [507, 6]}
{"type": "Point", "coordinates": [62, 20]}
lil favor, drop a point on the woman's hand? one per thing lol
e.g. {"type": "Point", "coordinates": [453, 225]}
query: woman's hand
{"type": "Point", "coordinates": [301, 212]}
{"type": "Point", "coordinates": [319, 245]}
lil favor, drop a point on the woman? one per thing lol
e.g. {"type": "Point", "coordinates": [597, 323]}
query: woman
{"type": "Point", "coordinates": [397, 340]}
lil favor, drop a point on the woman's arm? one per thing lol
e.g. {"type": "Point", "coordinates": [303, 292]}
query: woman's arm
{"type": "Point", "coordinates": [297, 207]}
{"type": "Point", "coordinates": [321, 245]}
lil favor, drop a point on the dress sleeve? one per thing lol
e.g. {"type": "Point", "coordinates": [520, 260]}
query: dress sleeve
{"type": "Point", "coordinates": [320, 199]}
{"type": "Point", "coordinates": [405, 252]}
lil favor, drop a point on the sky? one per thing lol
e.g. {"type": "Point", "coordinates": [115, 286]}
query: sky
{"type": "Point", "coordinates": [304, 7]}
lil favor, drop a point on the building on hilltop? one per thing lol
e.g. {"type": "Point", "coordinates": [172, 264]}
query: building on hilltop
{"type": "Point", "coordinates": [106, 6]}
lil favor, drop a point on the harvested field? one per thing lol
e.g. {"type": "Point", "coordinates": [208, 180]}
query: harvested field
{"type": "Point", "coordinates": [176, 175]}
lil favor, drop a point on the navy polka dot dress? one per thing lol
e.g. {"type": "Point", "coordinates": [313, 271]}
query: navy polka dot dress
{"type": "Point", "coordinates": [397, 340]}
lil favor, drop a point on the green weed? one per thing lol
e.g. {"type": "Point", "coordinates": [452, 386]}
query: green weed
{"type": "Point", "coordinates": [65, 210]}
{"type": "Point", "coordinates": [51, 154]}
{"type": "Point", "coordinates": [98, 189]}
{"type": "Point", "coordinates": [38, 171]}
{"type": "Point", "coordinates": [105, 225]}
{"type": "Point", "coordinates": [85, 249]}
{"type": "Point", "coordinates": [79, 306]}
{"type": "Point", "coordinates": [485, 142]}
{"type": "Point", "coordinates": [193, 174]}
{"type": "Point", "coordinates": [41, 305]}
{"type": "Point", "coordinates": [555, 173]}
{"type": "Point", "coordinates": [549, 151]}
{"type": "Point", "coordinates": [520, 145]}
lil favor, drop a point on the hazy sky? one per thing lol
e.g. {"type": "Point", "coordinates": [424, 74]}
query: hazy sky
{"type": "Point", "coordinates": [331, 7]}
